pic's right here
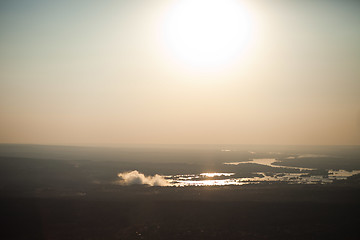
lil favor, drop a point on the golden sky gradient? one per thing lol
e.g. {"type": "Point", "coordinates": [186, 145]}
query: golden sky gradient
{"type": "Point", "coordinates": [106, 73]}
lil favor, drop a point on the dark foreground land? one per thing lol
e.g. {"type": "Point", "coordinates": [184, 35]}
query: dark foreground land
{"type": "Point", "coordinates": [138, 212]}
{"type": "Point", "coordinates": [65, 193]}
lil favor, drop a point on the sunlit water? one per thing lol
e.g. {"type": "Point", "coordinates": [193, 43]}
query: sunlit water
{"type": "Point", "coordinates": [267, 162]}
{"type": "Point", "coordinates": [342, 174]}
{"type": "Point", "coordinates": [305, 176]}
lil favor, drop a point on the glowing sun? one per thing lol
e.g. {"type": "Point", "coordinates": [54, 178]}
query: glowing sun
{"type": "Point", "coordinates": [207, 33]}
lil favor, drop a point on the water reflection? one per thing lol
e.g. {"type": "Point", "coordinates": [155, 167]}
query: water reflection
{"type": "Point", "coordinates": [216, 174]}
{"type": "Point", "coordinates": [202, 179]}
{"type": "Point", "coordinates": [289, 174]}
{"type": "Point", "coordinates": [223, 182]}
{"type": "Point", "coordinates": [342, 174]}
{"type": "Point", "coordinates": [267, 162]}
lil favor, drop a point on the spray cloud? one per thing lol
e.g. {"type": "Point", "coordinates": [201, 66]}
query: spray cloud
{"type": "Point", "coordinates": [134, 177]}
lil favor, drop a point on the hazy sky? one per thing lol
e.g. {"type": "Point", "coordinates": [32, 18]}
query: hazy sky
{"type": "Point", "coordinates": [106, 73]}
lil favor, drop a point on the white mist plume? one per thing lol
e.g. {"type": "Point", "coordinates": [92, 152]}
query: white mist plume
{"type": "Point", "coordinates": [134, 177]}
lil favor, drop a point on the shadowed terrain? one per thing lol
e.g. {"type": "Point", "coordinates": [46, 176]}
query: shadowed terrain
{"type": "Point", "coordinates": [75, 193]}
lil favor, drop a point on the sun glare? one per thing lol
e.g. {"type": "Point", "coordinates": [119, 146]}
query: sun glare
{"type": "Point", "coordinates": [207, 33]}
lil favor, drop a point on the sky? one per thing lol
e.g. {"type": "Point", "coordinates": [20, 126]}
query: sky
{"type": "Point", "coordinates": [170, 72]}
